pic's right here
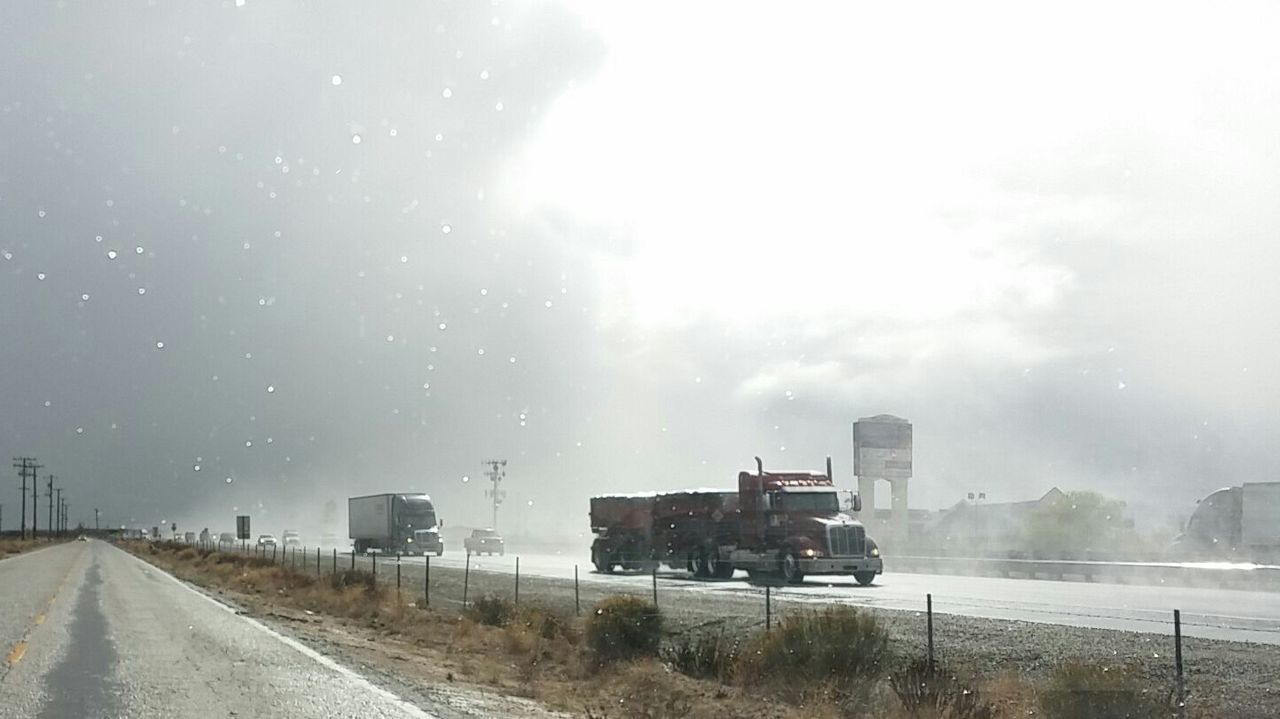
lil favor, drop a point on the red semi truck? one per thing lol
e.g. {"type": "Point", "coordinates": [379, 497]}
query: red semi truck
{"type": "Point", "coordinates": [787, 523]}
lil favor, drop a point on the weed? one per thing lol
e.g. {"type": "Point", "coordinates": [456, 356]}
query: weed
{"type": "Point", "coordinates": [704, 655]}
{"type": "Point", "coordinates": [835, 644]}
{"type": "Point", "coordinates": [492, 610]}
{"type": "Point", "coordinates": [937, 693]}
{"type": "Point", "coordinates": [1081, 690]}
{"type": "Point", "coordinates": [623, 627]}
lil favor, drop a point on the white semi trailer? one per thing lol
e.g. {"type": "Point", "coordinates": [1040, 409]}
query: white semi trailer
{"type": "Point", "coordinates": [1236, 522]}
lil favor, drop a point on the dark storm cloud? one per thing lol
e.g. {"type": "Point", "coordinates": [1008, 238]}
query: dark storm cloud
{"type": "Point", "coordinates": [287, 222]}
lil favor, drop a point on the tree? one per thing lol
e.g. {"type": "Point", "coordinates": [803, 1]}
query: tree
{"type": "Point", "coordinates": [1077, 523]}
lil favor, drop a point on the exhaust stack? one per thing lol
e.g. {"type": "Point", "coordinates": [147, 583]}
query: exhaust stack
{"type": "Point", "coordinates": [760, 466]}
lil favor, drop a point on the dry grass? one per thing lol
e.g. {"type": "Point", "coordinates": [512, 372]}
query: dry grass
{"type": "Point", "coordinates": [536, 652]}
{"type": "Point", "coordinates": [18, 546]}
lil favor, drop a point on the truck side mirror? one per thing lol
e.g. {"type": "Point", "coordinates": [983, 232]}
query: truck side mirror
{"type": "Point", "coordinates": [857, 502]}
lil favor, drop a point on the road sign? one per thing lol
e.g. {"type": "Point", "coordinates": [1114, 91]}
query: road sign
{"type": "Point", "coordinates": [242, 526]}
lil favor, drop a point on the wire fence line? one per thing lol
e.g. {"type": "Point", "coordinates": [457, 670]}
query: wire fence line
{"type": "Point", "coordinates": [428, 584]}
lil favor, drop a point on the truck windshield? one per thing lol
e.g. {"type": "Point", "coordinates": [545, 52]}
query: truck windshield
{"type": "Point", "coordinates": [818, 502]}
{"type": "Point", "coordinates": [418, 514]}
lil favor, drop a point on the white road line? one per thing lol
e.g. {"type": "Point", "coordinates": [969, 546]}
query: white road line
{"type": "Point", "coordinates": [301, 648]}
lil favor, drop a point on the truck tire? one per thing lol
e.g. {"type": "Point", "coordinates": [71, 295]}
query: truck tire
{"type": "Point", "coordinates": [718, 567]}
{"type": "Point", "coordinates": [702, 565]}
{"type": "Point", "coordinates": [440, 552]}
{"type": "Point", "coordinates": [865, 578]}
{"type": "Point", "coordinates": [790, 567]}
{"type": "Point", "coordinates": [603, 564]}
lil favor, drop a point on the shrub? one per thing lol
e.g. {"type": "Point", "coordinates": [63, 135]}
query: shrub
{"type": "Point", "coordinates": [187, 554]}
{"type": "Point", "coordinates": [705, 655]}
{"type": "Point", "coordinates": [492, 610]}
{"type": "Point", "coordinates": [835, 644]}
{"type": "Point", "coordinates": [623, 627]}
{"type": "Point", "coordinates": [937, 693]}
{"type": "Point", "coordinates": [354, 578]}
{"type": "Point", "coordinates": [1080, 690]}
{"type": "Point", "coordinates": [543, 621]}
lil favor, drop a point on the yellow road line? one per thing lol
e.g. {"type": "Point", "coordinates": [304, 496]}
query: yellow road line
{"type": "Point", "coordinates": [15, 654]}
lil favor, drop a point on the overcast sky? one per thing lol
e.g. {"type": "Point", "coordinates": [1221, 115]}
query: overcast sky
{"type": "Point", "coordinates": [262, 255]}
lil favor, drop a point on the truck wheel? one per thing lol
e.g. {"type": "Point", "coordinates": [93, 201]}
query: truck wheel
{"type": "Point", "coordinates": [791, 570]}
{"type": "Point", "coordinates": [717, 566]}
{"type": "Point", "coordinates": [865, 578]}
{"type": "Point", "coordinates": [702, 566]}
{"type": "Point", "coordinates": [440, 552]}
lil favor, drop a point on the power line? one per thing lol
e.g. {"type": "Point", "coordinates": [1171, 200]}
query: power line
{"type": "Point", "coordinates": [496, 474]}
{"type": "Point", "coordinates": [27, 467]}
{"type": "Point", "coordinates": [49, 496]}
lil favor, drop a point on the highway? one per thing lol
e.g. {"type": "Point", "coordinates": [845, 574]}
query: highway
{"type": "Point", "coordinates": [1229, 614]}
{"type": "Point", "coordinates": [89, 631]}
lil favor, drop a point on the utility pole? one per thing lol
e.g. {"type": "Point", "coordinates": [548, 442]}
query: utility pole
{"type": "Point", "coordinates": [495, 474]}
{"type": "Point", "coordinates": [49, 496]}
{"type": "Point", "coordinates": [60, 525]}
{"type": "Point", "coordinates": [95, 519]}
{"type": "Point", "coordinates": [66, 510]}
{"type": "Point", "coordinates": [26, 467]}
{"type": "Point", "coordinates": [35, 498]}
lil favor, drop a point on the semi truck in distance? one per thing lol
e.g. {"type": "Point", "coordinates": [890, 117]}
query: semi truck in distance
{"type": "Point", "coordinates": [786, 524]}
{"type": "Point", "coordinates": [399, 523]}
{"type": "Point", "coordinates": [1235, 523]}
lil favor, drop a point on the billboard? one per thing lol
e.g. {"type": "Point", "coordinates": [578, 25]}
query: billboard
{"type": "Point", "coordinates": [882, 447]}
{"type": "Point", "coordinates": [242, 526]}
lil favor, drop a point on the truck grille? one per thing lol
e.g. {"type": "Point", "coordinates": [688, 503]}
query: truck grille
{"type": "Point", "coordinates": [847, 541]}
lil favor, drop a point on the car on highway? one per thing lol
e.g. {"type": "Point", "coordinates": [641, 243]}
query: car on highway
{"type": "Point", "coordinates": [266, 540]}
{"type": "Point", "coordinates": [227, 538]}
{"type": "Point", "coordinates": [82, 538]}
{"type": "Point", "coordinates": [290, 538]}
{"type": "Point", "coordinates": [484, 541]}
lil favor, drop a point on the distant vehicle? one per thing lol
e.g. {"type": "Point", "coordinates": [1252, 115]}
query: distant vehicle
{"type": "Point", "coordinates": [290, 538]}
{"type": "Point", "coordinates": [776, 523]}
{"type": "Point", "coordinates": [189, 537]}
{"type": "Point", "coordinates": [484, 541]}
{"type": "Point", "coordinates": [1235, 523]}
{"type": "Point", "coordinates": [227, 538]}
{"type": "Point", "coordinates": [400, 523]}
{"type": "Point", "coordinates": [82, 538]}
{"type": "Point", "coordinates": [266, 540]}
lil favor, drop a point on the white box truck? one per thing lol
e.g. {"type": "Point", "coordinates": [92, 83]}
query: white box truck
{"type": "Point", "coordinates": [399, 523]}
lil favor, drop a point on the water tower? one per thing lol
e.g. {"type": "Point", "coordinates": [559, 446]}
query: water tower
{"type": "Point", "coordinates": [882, 453]}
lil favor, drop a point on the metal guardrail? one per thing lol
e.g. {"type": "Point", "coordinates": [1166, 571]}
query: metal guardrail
{"type": "Point", "coordinates": [1205, 574]}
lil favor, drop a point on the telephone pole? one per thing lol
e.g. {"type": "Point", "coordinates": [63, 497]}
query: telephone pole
{"type": "Point", "coordinates": [60, 524]}
{"type": "Point", "coordinates": [95, 519]}
{"type": "Point", "coordinates": [26, 467]}
{"type": "Point", "coordinates": [49, 496]}
{"type": "Point", "coordinates": [495, 474]}
{"type": "Point", "coordinates": [66, 513]}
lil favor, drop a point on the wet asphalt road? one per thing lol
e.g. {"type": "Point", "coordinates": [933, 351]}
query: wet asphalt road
{"type": "Point", "coordinates": [1228, 614]}
{"type": "Point", "coordinates": [89, 631]}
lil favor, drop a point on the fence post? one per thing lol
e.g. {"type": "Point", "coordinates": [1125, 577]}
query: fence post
{"type": "Point", "coordinates": [768, 608]}
{"type": "Point", "coordinates": [317, 561]}
{"type": "Point", "coordinates": [1177, 653]}
{"type": "Point", "coordinates": [928, 599]}
{"type": "Point", "coordinates": [397, 573]}
{"type": "Point", "coordinates": [655, 585]}
{"type": "Point", "coordinates": [353, 559]}
{"type": "Point", "coordinates": [375, 565]}
{"type": "Point", "coordinates": [426, 582]}
{"type": "Point", "coordinates": [466, 579]}
{"type": "Point", "coordinates": [335, 560]}
{"type": "Point", "coordinates": [577, 599]}
{"type": "Point", "coordinates": [517, 600]}
{"type": "Point", "coordinates": [273, 554]}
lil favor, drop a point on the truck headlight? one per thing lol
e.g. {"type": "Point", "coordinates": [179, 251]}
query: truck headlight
{"type": "Point", "coordinates": [809, 552]}
{"type": "Point", "coordinates": [875, 551]}
{"type": "Point", "coordinates": [409, 540]}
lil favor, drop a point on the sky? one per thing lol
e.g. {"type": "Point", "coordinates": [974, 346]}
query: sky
{"type": "Point", "coordinates": [257, 257]}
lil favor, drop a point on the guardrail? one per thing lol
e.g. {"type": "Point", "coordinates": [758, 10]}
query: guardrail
{"type": "Point", "coordinates": [1195, 574]}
